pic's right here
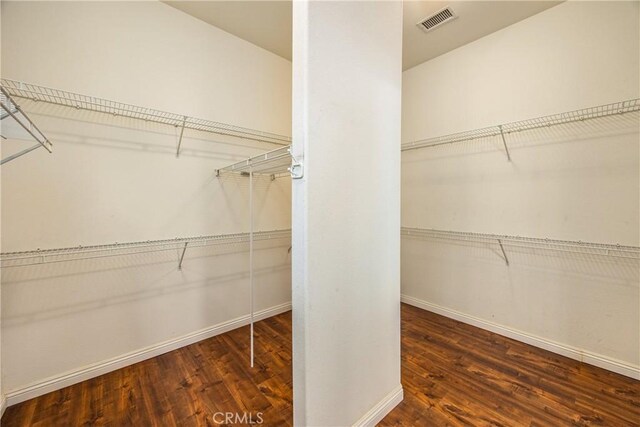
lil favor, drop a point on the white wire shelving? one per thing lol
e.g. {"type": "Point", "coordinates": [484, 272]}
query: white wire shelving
{"type": "Point", "coordinates": [91, 103]}
{"type": "Point", "coordinates": [590, 113]}
{"type": "Point", "coordinates": [10, 108]}
{"type": "Point", "coordinates": [273, 163]}
{"type": "Point", "coordinates": [502, 241]}
{"type": "Point", "coordinates": [76, 253]}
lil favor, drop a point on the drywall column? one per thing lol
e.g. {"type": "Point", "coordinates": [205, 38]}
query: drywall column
{"type": "Point", "coordinates": [346, 210]}
{"type": "Point", "coordinates": [2, 398]}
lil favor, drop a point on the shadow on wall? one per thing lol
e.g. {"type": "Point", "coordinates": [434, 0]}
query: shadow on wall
{"type": "Point", "coordinates": [116, 178]}
{"type": "Point", "coordinates": [587, 302]}
{"type": "Point", "coordinates": [124, 133]}
{"type": "Point", "coordinates": [613, 269]}
{"type": "Point", "coordinates": [602, 127]}
{"type": "Point", "coordinates": [75, 286]}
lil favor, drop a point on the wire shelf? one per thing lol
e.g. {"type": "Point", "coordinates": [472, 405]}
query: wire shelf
{"type": "Point", "coordinates": [578, 247]}
{"type": "Point", "coordinates": [26, 258]}
{"type": "Point", "coordinates": [11, 109]}
{"type": "Point", "coordinates": [273, 163]}
{"type": "Point", "coordinates": [523, 125]}
{"type": "Point", "coordinates": [91, 103]}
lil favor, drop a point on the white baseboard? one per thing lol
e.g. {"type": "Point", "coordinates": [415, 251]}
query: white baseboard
{"type": "Point", "coordinates": [3, 405]}
{"type": "Point", "coordinates": [382, 408]}
{"type": "Point", "coordinates": [73, 377]}
{"type": "Point", "coordinates": [598, 360]}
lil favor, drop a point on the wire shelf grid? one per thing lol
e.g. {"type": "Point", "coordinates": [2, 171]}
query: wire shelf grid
{"type": "Point", "coordinates": [274, 162]}
{"type": "Point", "coordinates": [621, 107]}
{"type": "Point", "coordinates": [10, 108]}
{"type": "Point", "coordinates": [91, 103]}
{"type": "Point", "coordinates": [33, 257]}
{"type": "Point", "coordinates": [578, 247]}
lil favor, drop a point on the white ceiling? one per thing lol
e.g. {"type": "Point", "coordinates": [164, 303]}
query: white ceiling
{"type": "Point", "coordinates": [267, 23]}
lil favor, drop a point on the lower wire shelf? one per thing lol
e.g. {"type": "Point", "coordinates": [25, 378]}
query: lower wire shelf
{"type": "Point", "coordinates": [571, 246]}
{"type": "Point", "coordinates": [34, 257]}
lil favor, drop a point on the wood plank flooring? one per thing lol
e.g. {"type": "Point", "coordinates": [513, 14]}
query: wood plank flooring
{"type": "Point", "coordinates": [453, 375]}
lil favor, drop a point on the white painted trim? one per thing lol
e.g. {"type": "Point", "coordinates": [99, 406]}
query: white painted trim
{"type": "Point", "coordinates": [3, 404]}
{"type": "Point", "coordinates": [73, 377]}
{"type": "Point", "coordinates": [382, 408]}
{"type": "Point", "coordinates": [581, 355]}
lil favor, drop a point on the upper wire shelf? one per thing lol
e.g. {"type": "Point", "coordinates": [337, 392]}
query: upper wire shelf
{"type": "Point", "coordinates": [33, 257]}
{"type": "Point", "coordinates": [91, 103]}
{"type": "Point", "coordinates": [529, 124]}
{"type": "Point", "coordinates": [10, 108]}
{"type": "Point", "coordinates": [577, 247]}
{"type": "Point", "coordinates": [271, 163]}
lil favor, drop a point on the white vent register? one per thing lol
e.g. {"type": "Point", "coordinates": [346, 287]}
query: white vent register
{"type": "Point", "coordinates": [437, 19]}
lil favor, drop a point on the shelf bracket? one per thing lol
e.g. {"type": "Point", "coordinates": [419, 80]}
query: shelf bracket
{"type": "Point", "coordinates": [30, 127]}
{"type": "Point", "coordinates": [182, 256]}
{"type": "Point", "coordinates": [504, 142]}
{"type": "Point", "coordinates": [504, 254]}
{"type": "Point", "coordinates": [21, 153]}
{"type": "Point", "coordinates": [184, 122]}
{"type": "Point", "coordinates": [6, 114]}
{"type": "Point", "coordinates": [296, 169]}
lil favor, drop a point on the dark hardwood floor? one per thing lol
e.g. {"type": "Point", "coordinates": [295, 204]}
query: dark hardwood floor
{"type": "Point", "coordinates": [457, 374]}
{"type": "Point", "coordinates": [453, 374]}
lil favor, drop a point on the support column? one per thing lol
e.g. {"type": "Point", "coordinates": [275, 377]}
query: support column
{"type": "Point", "coordinates": [347, 75]}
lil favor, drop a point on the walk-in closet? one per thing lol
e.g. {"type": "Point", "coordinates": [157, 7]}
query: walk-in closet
{"type": "Point", "coordinates": [319, 213]}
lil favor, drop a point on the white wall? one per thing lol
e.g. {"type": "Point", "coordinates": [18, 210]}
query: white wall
{"type": "Point", "coordinates": [346, 311]}
{"type": "Point", "coordinates": [577, 182]}
{"type": "Point", "coordinates": [113, 179]}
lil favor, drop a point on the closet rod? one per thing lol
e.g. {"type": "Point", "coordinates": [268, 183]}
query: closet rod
{"type": "Point", "coordinates": [33, 257]}
{"type": "Point", "coordinates": [91, 103]}
{"type": "Point", "coordinates": [583, 114]}
{"type": "Point", "coordinates": [571, 246]}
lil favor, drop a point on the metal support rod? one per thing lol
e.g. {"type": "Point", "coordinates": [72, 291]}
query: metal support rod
{"type": "Point", "coordinates": [251, 255]}
{"type": "Point", "coordinates": [184, 122]}
{"type": "Point", "coordinates": [28, 129]}
{"type": "Point", "coordinates": [503, 252]}
{"type": "Point", "coordinates": [5, 114]}
{"type": "Point", "coordinates": [182, 256]}
{"type": "Point", "coordinates": [504, 142]}
{"type": "Point", "coordinates": [23, 152]}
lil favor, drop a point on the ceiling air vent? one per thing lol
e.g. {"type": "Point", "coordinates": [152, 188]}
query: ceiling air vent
{"type": "Point", "coordinates": [434, 21]}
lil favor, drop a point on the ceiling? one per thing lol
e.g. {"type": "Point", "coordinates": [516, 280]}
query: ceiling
{"type": "Point", "coordinates": [267, 23]}
{"type": "Point", "coordinates": [264, 23]}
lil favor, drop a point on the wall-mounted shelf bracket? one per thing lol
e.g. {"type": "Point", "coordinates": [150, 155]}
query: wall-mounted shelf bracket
{"type": "Point", "coordinates": [184, 249]}
{"type": "Point", "coordinates": [11, 109]}
{"type": "Point", "coordinates": [296, 169]}
{"type": "Point", "coordinates": [504, 254]}
{"type": "Point", "coordinates": [184, 122]}
{"type": "Point", "coordinates": [20, 153]}
{"type": "Point", "coordinates": [5, 113]}
{"type": "Point", "coordinates": [504, 142]}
